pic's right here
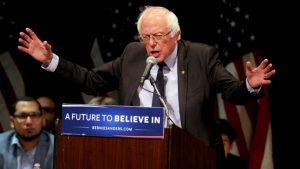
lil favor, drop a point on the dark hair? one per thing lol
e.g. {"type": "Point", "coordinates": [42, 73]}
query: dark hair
{"type": "Point", "coordinates": [226, 128]}
{"type": "Point", "coordinates": [24, 98]}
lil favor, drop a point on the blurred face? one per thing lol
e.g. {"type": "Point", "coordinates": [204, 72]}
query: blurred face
{"type": "Point", "coordinates": [48, 108]}
{"type": "Point", "coordinates": [156, 37]}
{"type": "Point", "coordinates": [226, 144]}
{"type": "Point", "coordinates": [27, 120]}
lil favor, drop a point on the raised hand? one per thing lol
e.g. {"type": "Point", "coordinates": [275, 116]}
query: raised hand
{"type": "Point", "coordinates": [32, 45]}
{"type": "Point", "coordinates": [260, 75]}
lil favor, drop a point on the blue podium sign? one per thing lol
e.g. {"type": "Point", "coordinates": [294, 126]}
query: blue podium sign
{"type": "Point", "coordinates": [113, 121]}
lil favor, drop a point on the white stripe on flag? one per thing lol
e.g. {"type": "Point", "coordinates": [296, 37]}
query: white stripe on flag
{"type": "Point", "coordinates": [231, 68]}
{"type": "Point", "coordinates": [221, 108]}
{"type": "Point", "coordinates": [97, 61]}
{"type": "Point", "coordinates": [249, 57]}
{"type": "Point", "coordinates": [267, 162]}
{"type": "Point", "coordinates": [245, 125]}
{"type": "Point", "coordinates": [4, 120]}
{"type": "Point", "coordinates": [96, 54]}
{"type": "Point", "coordinates": [13, 74]}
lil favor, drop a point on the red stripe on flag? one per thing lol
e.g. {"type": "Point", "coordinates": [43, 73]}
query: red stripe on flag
{"type": "Point", "coordinates": [239, 66]}
{"type": "Point", "coordinates": [261, 132]}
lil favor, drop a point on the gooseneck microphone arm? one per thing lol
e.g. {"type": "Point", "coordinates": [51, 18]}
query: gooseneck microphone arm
{"type": "Point", "coordinates": [162, 100]}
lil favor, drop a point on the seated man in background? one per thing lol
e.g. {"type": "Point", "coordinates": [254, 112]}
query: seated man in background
{"type": "Point", "coordinates": [49, 113]}
{"type": "Point", "coordinates": [228, 137]}
{"type": "Point", "coordinates": [27, 143]}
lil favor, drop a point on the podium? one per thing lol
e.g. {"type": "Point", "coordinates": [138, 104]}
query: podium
{"type": "Point", "coordinates": [178, 150]}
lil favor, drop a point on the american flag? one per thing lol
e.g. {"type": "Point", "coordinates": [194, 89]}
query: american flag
{"type": "Point", "coordinates": [11, 79]}
{"type": "Point", "coordinates": [238, 42]}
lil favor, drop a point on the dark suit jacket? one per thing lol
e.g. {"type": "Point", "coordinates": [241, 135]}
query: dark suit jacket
{"type": "Point", "coordinates": [44, 151]}
{"type": "Point", "coordinates": [200, 76]}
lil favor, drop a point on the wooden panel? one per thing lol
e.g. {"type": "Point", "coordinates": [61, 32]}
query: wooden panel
{"type": "Point", "coordinates": [82, 152]}
{"type": "Point", "coordinates": [183, 152]}
{"type": "Point", "coordinates": [189, 152]}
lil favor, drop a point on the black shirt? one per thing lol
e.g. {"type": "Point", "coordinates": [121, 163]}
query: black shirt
{"type": "Point", "coordinates": [235, 162]}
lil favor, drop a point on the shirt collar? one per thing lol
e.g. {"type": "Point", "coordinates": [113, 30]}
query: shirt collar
{"type": "Point", "coordinates": [170, 61]}
{"type": "Point", "coordinates": [15, 141]}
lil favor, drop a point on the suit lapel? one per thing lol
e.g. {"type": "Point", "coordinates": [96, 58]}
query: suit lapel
{"type": "Point", "coordinates": [182, 80]}
{"type": "Point", "coordinates": [136, 71]}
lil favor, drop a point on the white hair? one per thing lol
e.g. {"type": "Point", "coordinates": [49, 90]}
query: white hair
{"type": "Point", "coordinates": [171, 18]}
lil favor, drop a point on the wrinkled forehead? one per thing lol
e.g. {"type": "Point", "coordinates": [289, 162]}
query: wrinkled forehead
{"type": "Point", "coordinates": [153, 24]}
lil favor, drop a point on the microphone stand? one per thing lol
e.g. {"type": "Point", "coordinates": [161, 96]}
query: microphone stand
{"type": "Point", "coordinates": [152, 81]}
{"type": "Point", "coordinates": [167, 113]}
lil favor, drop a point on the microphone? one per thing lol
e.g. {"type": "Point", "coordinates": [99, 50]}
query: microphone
{"type": "Point", "coordinates": [150, 62]}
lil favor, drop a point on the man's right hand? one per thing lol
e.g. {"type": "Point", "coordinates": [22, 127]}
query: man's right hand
{"type": "Point", "coordinates": [32, 45]}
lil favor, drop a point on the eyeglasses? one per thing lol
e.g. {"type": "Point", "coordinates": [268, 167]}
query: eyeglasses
{"type": "Point", "coordinates": [156, 37]}
{"type": "Point", "coordinates": [24, 116]}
